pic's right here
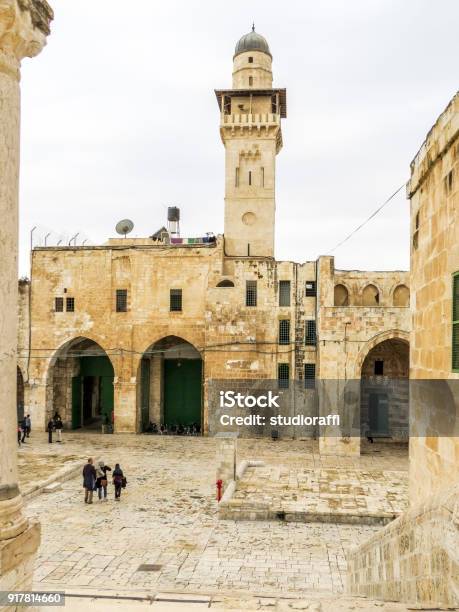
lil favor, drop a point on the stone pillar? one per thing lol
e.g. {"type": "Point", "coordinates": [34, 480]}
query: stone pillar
{"type": "Point", "coordinates": [156, 389]}
{"type": "Point", "coordinates": [125, 405]}
{"type": "Point", "coordinates": [24, 25]}
{"type": "Point", "coordinates": [226, 456]}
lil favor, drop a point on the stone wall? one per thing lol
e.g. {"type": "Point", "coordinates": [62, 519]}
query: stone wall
{"type": "Point", "coordinates": [414, 559]}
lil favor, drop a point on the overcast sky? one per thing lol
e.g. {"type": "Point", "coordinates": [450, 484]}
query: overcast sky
{"type": "Point", "coordinates": [120, 118]}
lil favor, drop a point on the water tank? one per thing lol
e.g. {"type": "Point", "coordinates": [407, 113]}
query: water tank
{"type": "Point", "coordinates": [173, 213]}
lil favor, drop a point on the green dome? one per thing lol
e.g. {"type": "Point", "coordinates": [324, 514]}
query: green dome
{"type": "Point", "coordinates": [252, 42]}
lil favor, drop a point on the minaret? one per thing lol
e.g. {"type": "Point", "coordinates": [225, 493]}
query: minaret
{"type": "Point", "coordinates": [250, 128]}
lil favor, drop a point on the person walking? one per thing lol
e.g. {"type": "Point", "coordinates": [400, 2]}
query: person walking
{"type": "Point", "coordinates": [58, 425]}
{"type": "Point", "coordinates": [28, 425]}
{"type": "Point", "coordinates": [49, 429]}
{"type": "Point", "coordinates": [101, 482]}
{"type": "Point", "coordinates": [89, 481]}
{"type": "Point", "coordinates": [24, 429]}
{"type": "Point", "coordinates": [119, 481]}
{"type": "Point", "coordinates": [19, 435]}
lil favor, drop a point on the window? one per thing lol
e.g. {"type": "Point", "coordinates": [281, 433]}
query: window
{"type": "Point", "coordinates": [310, 333]}
{"type": "Point", "coordinates": [262, 177]}
{"type": "Point", "coordinates": [370, 296]}
{"type": "Point", "coordinates": [284, 293]}
{"type": "Point", "coordinates": [59, 304]}
{"type": "Point", "coordinates": [311, 288]}
{"type": "Point", "coordinates": [284, 331]}
{"type": "Point", "coordinates": [251, 293]}
{"type": "Point", "coordinates": [236, 180]}
{"type": "Point", "coordinates": [70, 304]}
{"type": "Point", "coordinates": [250, 80]}
{"type": "Point", "coordinates": [121, 300]}
{"type": "Point", "coordinates": [250, 60]}
{"type": "Point", "coordinates": [309, 375]}
{"type": "Point", "coordinates": [379, 367]}
{"type": "Point", "coordinates": [225, 283]}
{"type": "Point", "coordinates": [250, 177]}
{"type": "Point", "coordinates": [416, 232]}
{"type": "Point", "coordinates": [283, 375]}
{"type": "Point", "coordinates": [455, 338]}
{"type": "Point", "coordinates": [176, 300]}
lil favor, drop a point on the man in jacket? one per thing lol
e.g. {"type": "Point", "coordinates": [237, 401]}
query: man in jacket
{"type": "Point", "coordinates": [89, 481]}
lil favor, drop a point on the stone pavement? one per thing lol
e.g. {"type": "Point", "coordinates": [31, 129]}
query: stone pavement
{"type": "Point", "coordinates": [167, 520]}
{"type": "Point", "coordinates": [346, 495]}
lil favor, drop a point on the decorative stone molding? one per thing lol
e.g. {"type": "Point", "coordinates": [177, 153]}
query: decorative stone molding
{"type": "Point", "coordinates": [24, 25]}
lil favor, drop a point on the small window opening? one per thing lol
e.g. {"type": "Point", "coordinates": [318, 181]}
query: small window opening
{"type": "Point", "coordinates": [236, 180]}
{"type": "Point", "coordinates": [309, 375]}
{"type": "Point", "coordinates": [310, 333]}
{"type": "Point", "coordinates": [58, 304]}
{"type": "Point", "coordinates": [70, 304]}
{"type": "Point", "coordinates": [250, 80]}
{"type": "Point", "coordinates": [176, 300]}
{"type": "Point", "coordinates": [251, 293]}
{"type": "Point", "coordinates": [284, 293]}
{"type": "Point", "coordinates": [225, 283]}
{"type": "Point", "coordinates": [283, 375]}
{"type": "Point", "coordinates": [379, 367]}
{"type": "Point", "coordinates": [284, 331]}
{"type": "Point", "coordinates": [121, 300]}
{"type": "Point", "coordinates": [250, 177]}
{"type": "Point", "coordinates": [250, 60]}
{"type": "Point", "coordinates": [262, 177]}
{"type": "Point", "coordinates": [311, 288]}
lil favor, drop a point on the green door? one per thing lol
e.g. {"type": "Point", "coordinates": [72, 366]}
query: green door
{"type": "Point", "coordinates": [76, 402]}
{"type": "Point", "coordinates": [378, 414]}
{"type": "Point", "coordinates": [182, 391]}
{"type": "Point", "coordinates": [145, 393]}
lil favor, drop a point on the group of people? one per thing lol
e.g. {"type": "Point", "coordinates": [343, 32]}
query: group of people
{"type": "Point", "coordinates": [178, 430]}
{"type": "Point", "coordinates": [24, 429]}
{"type": "Point", "coordinates": [55, 424]}
{"type": "Point", "coordinates": [96, 479]}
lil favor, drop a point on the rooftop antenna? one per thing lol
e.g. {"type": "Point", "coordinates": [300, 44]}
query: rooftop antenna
{"type": "Point", "coordinates": [124, 227]}
{"type": "Point", "coordinates": [74, 238]}
{"type": "Point", "coordinates": [47, 236]}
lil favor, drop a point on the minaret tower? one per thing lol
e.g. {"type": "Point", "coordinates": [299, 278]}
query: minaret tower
{"type": "Point", "coordinates": [250, 128]}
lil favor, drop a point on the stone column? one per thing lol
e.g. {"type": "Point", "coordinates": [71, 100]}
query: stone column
{"type": "Point", "coordinates": [125, 400]}
{"type": "Point", "coordinates": [226, 457]}
{"type": "Point", "coordinates": [24, 25]}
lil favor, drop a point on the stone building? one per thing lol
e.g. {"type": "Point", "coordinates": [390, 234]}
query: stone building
{"type": "Point", "coordinates": [416, 558]}
{"type": "Point", "coordinates": [135, 326]}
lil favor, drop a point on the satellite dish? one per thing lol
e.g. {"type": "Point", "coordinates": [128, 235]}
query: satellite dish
{"type": "Point", "coordinates": [124, 227]}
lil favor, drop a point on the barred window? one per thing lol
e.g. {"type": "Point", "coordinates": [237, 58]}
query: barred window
{"type": "Point", "coordinates": [251, 293]}
{"type": "Point", "coordinates": [284, 293]}
{"type": "Point", "coordinates": [121, 300]}
{"type": "Point", "coordinates": [176, 300]}
{"type": "Point", "coordinates": [309, 375]}
{"type": "Point", "coordinates": [311, 289]}
{"type": "Point", "coordinates": [58, 304]}
{"type": "Point", "coordinates": [70, 304]}
{"type": "Point", "coordinates": [284, 331]}
{"type": "Point", "coordinates": [283, 375]}
{"type": "Point", "coordinates": [310, 333]}
{"type": "Point", "coordinates": [455, 339]}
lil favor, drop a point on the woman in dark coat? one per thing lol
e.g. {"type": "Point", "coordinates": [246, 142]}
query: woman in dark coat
{"type": "Point", "coordinates": [118, 480]}
{"type": "Point", "coordinates": [101, 482]}
{"type": "Point", "coordinates": [89, 481]}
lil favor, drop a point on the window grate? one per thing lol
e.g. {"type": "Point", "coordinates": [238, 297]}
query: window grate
{"type": "Point", "coordinates": [311, 289]}
{"type": "Point", "coordinates": [251, 293]}
{"type": "Point", "coordinates": [309, 375]}
{"type": "Point", "coordinates": [176, 300]}
{"type": "Point", "coordinates": [58, 304]}
{"type": "Point", "coordinates": [121, 300]}
{"type": "Point", "coordinates": [311, 333]}
{"type": "Point", "coordinates": [455, 331]}
{"type": "Point", "coordinates": [283, 375]}
{"type": "Point", "coordinates": [284, 293]}
{"type": "Point", "coordinates": [70, 304]}
{"type": "Point", "coordinates": [284, 331]}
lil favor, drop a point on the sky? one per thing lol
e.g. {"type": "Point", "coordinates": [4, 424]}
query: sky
{"type": "Point", "coordinates": [120, 119]}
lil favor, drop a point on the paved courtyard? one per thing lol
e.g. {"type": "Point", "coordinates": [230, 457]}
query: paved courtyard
{"type": "Point", "coordinates": [167, 520]}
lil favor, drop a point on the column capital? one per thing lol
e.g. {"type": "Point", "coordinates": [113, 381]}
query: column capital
{"type": "Point", "coordinates": [24, 26]}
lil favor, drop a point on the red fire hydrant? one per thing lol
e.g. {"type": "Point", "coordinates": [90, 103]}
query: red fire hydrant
{"type": "Point", "coordinates": [219, 484]}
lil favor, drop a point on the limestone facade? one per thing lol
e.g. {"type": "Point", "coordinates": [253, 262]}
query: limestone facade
{"type": "Point", "coordinates": [149, 305]}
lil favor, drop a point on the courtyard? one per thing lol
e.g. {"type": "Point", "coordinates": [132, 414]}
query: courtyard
{"type": "Point", "coordinates": [165, 535]}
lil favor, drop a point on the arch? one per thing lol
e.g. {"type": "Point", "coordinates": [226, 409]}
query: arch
{"type": "Point", "coordinates": [401, 296]}
{"type": "Point", "coordinates": [169, 386]}
{"type": "Point", "coordinates": [375, 340]}
{"type": "Point", "coordinates": [370, 295]}
{"type": "Point", "coordinates": [79, 384]}
{"type": "Point", "coordinates": [225, 283]}
{"type": "Point", "coordinates": [19, 394]}
{"type": "Point", "coordinates": [341, 295]}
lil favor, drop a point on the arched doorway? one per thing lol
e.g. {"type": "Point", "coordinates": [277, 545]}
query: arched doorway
{"type": "Point", "coordinates": [20, 394]}
{"type": "Point", "coordinates": [384, 390]}
{"type": "Point", "coordinates": [80, 384]}
{"type": "Point", "coordinates": [170, 389]}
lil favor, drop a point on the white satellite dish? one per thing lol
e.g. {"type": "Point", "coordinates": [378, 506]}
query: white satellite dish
{"type": "Point", "coordinates": [124, 227]}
